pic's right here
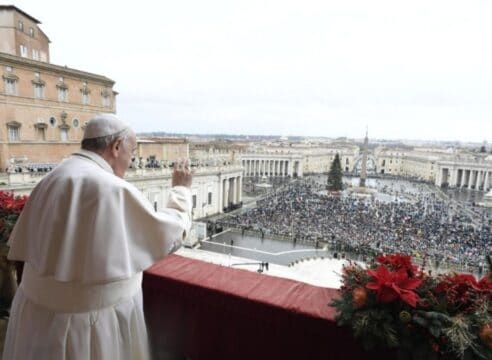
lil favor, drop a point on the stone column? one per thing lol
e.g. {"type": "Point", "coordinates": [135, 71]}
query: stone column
{"type": "Point", "coordinates": [239, 189]}
{"type": "Point", "coordinates": [486, 182]}
{"type": "Point", "coordinates": [470, 180]}
{"type": "Point", "coordinates": [233, 190]}
{"type": "Point", "coordinates": [219, 195]}
{"type": "Point", "coordinates": [438, 181]}
{"type": "Point", "coordinates": [477, 183]}
{"type": "Point", "coordinates": [462, 182]}
{"type": "Point", "coordinates": [226, 193]}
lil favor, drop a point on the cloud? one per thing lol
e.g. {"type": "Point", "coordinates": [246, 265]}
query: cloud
{"type": "Point", "coordinates": [417, 69]}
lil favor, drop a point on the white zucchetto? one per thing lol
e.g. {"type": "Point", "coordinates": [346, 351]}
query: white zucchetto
{"type": "Point", "coordinates": [104, 125]}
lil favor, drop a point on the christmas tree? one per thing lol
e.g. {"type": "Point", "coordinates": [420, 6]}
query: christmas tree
{"type": "Point", "coordinates": [335, 175]}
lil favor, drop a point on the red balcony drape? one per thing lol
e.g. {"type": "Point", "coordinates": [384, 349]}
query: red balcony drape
{"type": "Point", "coordinates": [206, 311]}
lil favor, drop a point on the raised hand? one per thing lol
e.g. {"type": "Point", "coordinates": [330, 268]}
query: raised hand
{"type": "Point", "coordinates": [182, 175]}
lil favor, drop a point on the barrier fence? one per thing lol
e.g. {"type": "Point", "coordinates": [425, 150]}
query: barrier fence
{"type": "Point", "coordinates": [340, 249]}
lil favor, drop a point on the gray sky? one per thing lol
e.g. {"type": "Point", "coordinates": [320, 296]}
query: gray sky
{"type": "Point", "coordinates": [408, 69]}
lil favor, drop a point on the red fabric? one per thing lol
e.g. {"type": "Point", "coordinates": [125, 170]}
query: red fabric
{"type": "Point", "coordinates": [205, 311]}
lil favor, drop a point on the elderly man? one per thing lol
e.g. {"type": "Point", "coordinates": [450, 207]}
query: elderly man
{"type": "Point", "coordinates": [85, 236]}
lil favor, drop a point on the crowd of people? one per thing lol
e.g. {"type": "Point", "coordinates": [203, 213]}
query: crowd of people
{"type": "Point", "coordinates": [416, 222]}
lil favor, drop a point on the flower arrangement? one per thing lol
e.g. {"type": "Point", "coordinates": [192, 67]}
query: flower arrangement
{"type": "Point", "coordinates": [395, 304]}
{"type": "Point", "coordinates": [10, 209]}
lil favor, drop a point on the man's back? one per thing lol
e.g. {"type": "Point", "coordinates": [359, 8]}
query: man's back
{"type": "Point", "coordinates": [86, 236]}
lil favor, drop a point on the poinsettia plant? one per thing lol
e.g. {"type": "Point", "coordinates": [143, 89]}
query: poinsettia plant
{"type": "Point", "coordinates": [10, 209]}
{"type": "Point", "coordinates": [393, 303]}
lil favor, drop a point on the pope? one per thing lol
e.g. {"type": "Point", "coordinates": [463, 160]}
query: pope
{"type": "Point", "coordinates": [85, 236]}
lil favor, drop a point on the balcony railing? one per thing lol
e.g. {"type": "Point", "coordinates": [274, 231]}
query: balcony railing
{"type": "Point", "coordinates": [199, 310]}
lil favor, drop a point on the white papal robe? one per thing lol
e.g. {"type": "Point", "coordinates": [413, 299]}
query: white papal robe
{"type": "Point", "coordinates": [85, 236]}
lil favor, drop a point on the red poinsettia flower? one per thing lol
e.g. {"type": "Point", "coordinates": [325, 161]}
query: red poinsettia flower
{"type": "Point", "coordinates": [396, 262]}
{"type": "Point", "coordinates": [463, 290]}
{"type": "Point", "coordinates": [10, 209]}
{"type": "Point", "coordinates": [393, 285]}
{"type": "Point", "coordinates": [485, 283]}
{"type": "Point", "coordinates": [458, 282]}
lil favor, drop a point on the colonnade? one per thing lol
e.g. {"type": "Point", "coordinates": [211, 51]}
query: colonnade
{"type": "Point", "coordinates": [465, 178]}
{"type": "Point", "coordinates": [271, 167]}
{"type": "Point", "coordinates": [231, 191]}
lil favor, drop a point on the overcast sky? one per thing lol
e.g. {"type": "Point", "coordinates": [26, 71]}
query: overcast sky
{"type": "Point", "coordinates": [418, 69]}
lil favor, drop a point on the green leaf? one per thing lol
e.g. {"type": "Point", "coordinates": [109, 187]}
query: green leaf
{"type": "Point", "coordinates": [435, 331]}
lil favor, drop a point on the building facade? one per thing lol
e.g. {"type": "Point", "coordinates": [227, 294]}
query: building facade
{"type": "Point", "coordinates": [43, 107]}
{"type": "Point", "coordinates": [296, 159]}
{"type": "Point", "coordinates": [215, 189]}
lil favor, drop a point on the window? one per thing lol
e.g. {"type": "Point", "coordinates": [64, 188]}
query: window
{"type": "Point", "coordinates": [64, 134]}
{"type": "Point", "coordinates": [10, 86]}
{"type": "Point", "coordinates": [35, 54]}
{"type": "Point", "coordinates": [31, 32]}
{"type": "Point", "coordinates": [62, 94]}
{"type": "Point", "coordinates": [52, 121]}
{"type": "Point", "coordinates": [85, 93]}
{"type": "Point", "coordinates": [41, 133]}
{"type": "Point", "coordinates": [23, 50]}
{"type": "Point", "coordinates": [43, 56]}
{"type": "Point", "coordinates": [210, 198]}
{"type": "Point", "coordinates": [21, 26]}
{"type": "Point", "coordinates": [194, 201]}
{"type": "Point", "coordinates": [106, 101]}
{"type": "Point", "coordinates": [14, 133]}
{"type": "Point", "coordinates": [38, 91]}
{"type": "Point", "coordinates": [106, 97]}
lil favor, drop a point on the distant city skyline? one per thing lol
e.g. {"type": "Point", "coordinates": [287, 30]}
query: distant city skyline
{"type": "Point", "coordinates": [418, 70]}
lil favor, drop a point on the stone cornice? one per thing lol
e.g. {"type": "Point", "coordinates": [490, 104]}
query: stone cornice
{"type": "Point", "coordinates": [14, 124]}
{"type": "Point", "coordinates": [40, 125]}
{"type": "Point", "coordinates": [38, 82]}
{"type": "Point", "coordinates": [105, 93]}
{"type": "Point", "coordinates": [17, 60]}
{"type": "Point", "coordinates": [85, 90]}
{"type": "Point", "coordinates": [62, 85]}
{"type": "Point", "coordinates": [10, 76]}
